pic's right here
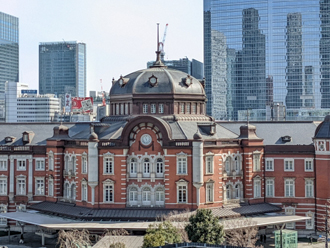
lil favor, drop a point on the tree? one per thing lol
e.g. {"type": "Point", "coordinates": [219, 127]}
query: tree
{"type": "Point", "coordinates": [160, 234]}
{"type": "Point", "coordinates": [203, 227]}
{"type": "Point", "coordinates": [117, 245]}
{"type": "Point", "coordinates": [73, 239]}
{"type": "Point", "coordinates": [241, 232]}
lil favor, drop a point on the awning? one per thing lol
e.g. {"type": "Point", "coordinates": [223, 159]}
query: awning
{"type": "Point", "coordinates": [57, 223]}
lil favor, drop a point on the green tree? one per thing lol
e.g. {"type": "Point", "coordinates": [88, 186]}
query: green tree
{"type": "Point", "coordinates": [158, 235]}
{"type": "Point", "coordinates": [203, 227]}
{"type": "Point", "coordinates": [118, 245]}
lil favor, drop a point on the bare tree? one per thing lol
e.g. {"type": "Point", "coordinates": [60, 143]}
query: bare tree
{"type": "Point", "coordinates": [113, 239]}
{"type": "Point", "coordinates": [241, 232]}
{"type": "Point", "coordinates": [73, 239]}
{"type": "Point", "coordinates": [179, 220]}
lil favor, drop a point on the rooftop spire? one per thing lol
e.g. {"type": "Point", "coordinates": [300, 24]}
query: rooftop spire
{"type": "Point", "coordinates": [158, 62]}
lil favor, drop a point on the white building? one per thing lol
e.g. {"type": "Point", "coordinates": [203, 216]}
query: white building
{"type": "Point", "coordinates": [29, 107]}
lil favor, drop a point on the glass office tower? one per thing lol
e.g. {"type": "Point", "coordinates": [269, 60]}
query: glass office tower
{"type": "Point", "coordinates": [261, 52]}
{"type": "Point", "coordinates": [8, 49]}
{"type": "Point", "coordinates": [62, 68]}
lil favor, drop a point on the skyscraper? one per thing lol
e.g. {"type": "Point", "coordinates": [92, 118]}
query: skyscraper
{"type": "Point", "coordinates": [9, 60]}
{"type": "Point", "coordinates": [277, 50]}
{"type": "Point", "coordinates": [62, 68]}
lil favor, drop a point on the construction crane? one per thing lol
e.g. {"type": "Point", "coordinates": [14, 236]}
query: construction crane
{"type": "Point", "coordinates": [161, 44]}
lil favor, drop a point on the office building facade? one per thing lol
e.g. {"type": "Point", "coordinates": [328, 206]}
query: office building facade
{"type": "Point", "coordinates": [193, 67]}
{"type": "Point", "coordinates": [9, 61]}
{"type": "Point", "coordinates": [277, 51]}
{"type": "Point", "coordinates": [62, 68]}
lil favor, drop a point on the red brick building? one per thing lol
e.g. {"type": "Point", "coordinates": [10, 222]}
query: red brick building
{"type": "Point", "coordinates": [158, 151]}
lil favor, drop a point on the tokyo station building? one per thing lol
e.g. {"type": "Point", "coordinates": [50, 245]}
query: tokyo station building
{"type": "Point", "coordinates": [158, 151]}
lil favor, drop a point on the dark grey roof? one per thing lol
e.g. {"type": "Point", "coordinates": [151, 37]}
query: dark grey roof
{"type": "Point", "coordinates": [169, 82]}
{"type": "Point", "coordinates": [72, 211]}
{"type": "Point", "coordinates": [301, 133]}
{"type": "Point", "coordinates": [323, 130]}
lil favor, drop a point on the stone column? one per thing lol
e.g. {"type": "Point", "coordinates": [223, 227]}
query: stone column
{"type": "Point", "coordinates": [93, 167]}
{"type": "Point", "coordinates": [198, 164]}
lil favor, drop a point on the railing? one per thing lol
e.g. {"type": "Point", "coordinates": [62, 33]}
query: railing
{"type": "Point", "coordinates": [69, 173]}
{"type": "Point", "coordinates": [76, 143]}
{"type": "Point", "coordinates": [107, 143]}
{"type": "Point", "coordinates": [183, 143]}
{"type": "Point", "coordinates": [15, 148]}
{"type": "Point", "coordinates": [192, 244]}
{"type": "Point", "coordinates": [233, 173]}
{"type": "Point", "coordinates": [65, 199]}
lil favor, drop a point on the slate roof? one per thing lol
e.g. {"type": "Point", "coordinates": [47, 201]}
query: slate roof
{"type": "Point", "coordinates": [301, 133]}
{"type": "Point", "coordinates": [169, 82]}
{"type": "Point", "coordinates": [72, 211]}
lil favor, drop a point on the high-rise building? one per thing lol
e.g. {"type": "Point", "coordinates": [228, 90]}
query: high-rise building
{"type": "Point", "coordinates": [277, 51]}
{"type": "Point", "coordinates": [193, 68]}
{"type": "Point", "coordinates": [9, 49]}
{"type": "Point", "coordinates": [62, 68]}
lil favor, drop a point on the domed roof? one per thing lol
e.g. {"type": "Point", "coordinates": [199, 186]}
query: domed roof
{"type": "Point", "coordinates": [157, 80]}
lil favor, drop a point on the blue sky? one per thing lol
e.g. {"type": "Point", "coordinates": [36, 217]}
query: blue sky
{"type": "Point", "coordinates": [120, 34]}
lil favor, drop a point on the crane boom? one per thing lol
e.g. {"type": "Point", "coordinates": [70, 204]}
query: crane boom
{"type": "Point", "coordinates": [161, 44]}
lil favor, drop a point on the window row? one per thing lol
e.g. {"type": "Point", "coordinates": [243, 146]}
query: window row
{"type": "Point", "coordinates": [21, 164]}
{"type": "Point", "coordinates": [146, 167]}
{"type": "Point", "coordinates": [21, 186]}
{"type": "Point", "coordinates": [146, 196]}
{"type": "Point", "coordinates": [289, 187]}
{"type": "Point", "coordinates": [153, 108]}
{"type": "Point", "coordinates": [289, 164]}
{"type": "Point", "coordinates": [188, 108]}
{"type": "Point", "coordinates": [233, 165]}
{"type": "Point", "coordinates": [120, 109]}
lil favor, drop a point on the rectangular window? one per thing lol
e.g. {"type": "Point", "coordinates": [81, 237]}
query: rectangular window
{"type": "Point", "coordinates": [182, 194]}
{"type": "Point", "coordinates": [117, 109]}
{"type": "Point", "coordinates": [289, 188]}
{"type": "Point", "coordinates": [182, 165]}
{"type": "Point", "coordinates": [193, 109]}
{"type": "Point", "coordinates": [84, 192]}
{"type": "Point", "coordinates": [310, 222]}
{"type": "Point", "coordinates": [209, 165]}
{"type": "Point", "coordinates": [290, 211]}
{"type": "Point", "coordinates": [3, 209]}
{"type": "Point", "coordinates": [209, 192]}
{"type": "Point", "coordinates": [40, 187]}
{"type": "Point", "coordinates": [269, 187]}
{"type": "Point", "coordinates": [308, 165]}
{"type": "Point", "coordinates": [3, 186]}
{"type": "Point", "coordinates": [182, 108]}
{"type": "Point", "coordinates": [145, 108]}
{"type": "Point", "coordinates": [309, 188]}
{"type": "Point", "coordinates": [153, 108]}
{"type": "Point", "coordinates": [288, 165]}
{"type": "Point", "coordinates": [108, 193]}
{"type": "Point", "coordinates": [122, 108]}
{"type": "Point", "coordinates": [269, 164]}
{"type": "Point", "coordinates": [126, 108]}
{"type": "Point", "coordinates": [40, 165]}
{"type": "Point", "coordinates": [108, 166]}
{"type": "Point", "coordinates": [21, 189]}
{"type": "Point", "coordinates": [21, 164]}
{"type": "Point", "coordinates": [3, 165]}
{"type": "Point", "coordinates": [256, 162]}
{"type": "Point", "coordinates": [188, 108]}
{"type": "Point", "coordinates": [161, 108]}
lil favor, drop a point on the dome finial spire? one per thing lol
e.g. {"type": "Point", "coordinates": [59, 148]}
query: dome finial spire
{"type": "Point", "coordinates": [158, 62]}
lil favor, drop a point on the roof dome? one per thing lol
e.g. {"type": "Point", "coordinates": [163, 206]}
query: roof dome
{"type": "Point", "coordinates": [93, 137]}
{"type": "Point", "coordinates": [157, 80]}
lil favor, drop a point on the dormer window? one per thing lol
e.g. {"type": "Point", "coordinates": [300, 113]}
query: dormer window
{"type": "Point", "coordinates": [152, 81]}
{"type": "Point", "coordinates": [286, 138]}
{"type": "Point", "coordinates": [25, 137]}
{"type": "Point", "coordinates": [9, 139]}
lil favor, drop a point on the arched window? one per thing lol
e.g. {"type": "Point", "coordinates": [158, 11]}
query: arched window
{"type": "Point", "coordinates": [209, 192]}
{"type": "Point", "coordinates": [66, 163]}
{"type": "Point", "coordinates": [73, 192]}
{"type": "Point", "coordinates": [159, 167]}
{"type": "Point", "coordinates": [132, 167]}
{"type": "Point", "coordinates": [146, 167]}
{"type": "Point", "coordinates": [228, 192]}
{"type": "Point", "coordinates": [66, 190]}
{"type": "Point", "coordinates": [146, 196]}
{"type": "Point", "coordinates": [160, 196]}
{"type": "Point", "coordinates": [133, 196]}
{"type": "Point", "coordinates": [237, 165]}
{"type": "Point", "coordinates": [237, 191]}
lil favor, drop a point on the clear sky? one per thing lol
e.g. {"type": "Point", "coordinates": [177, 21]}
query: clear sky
{"type": "Point", "coordinates": [120, 35]}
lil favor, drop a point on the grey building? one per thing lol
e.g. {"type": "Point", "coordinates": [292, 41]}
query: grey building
{"type": "Point", "coordinates": [277, 51]}
{"type": "Point", "coordinates": [62, 68]}
{"type": "Point", "coordinates": [193, 67]}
